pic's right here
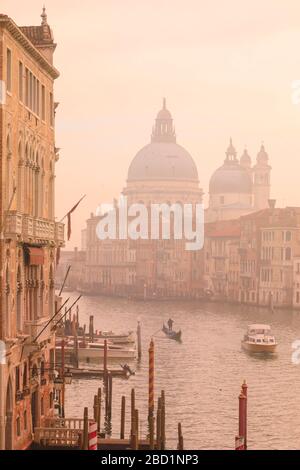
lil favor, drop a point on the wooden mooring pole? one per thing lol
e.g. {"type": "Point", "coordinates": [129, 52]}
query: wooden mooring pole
{"type": "Point", "coordinates": [110, 388]}
{"type": "Point", "coordinates": [151, 432]}
{"type": "Point", "coordinates": [91, 329]}
{"type": "Point", "coordinates": [105, 365]}
{"type": "Point", "coordinates": [158, 425]}
{"type": "Point", "coordinates": [139, 341]}
{"type": "Point", "coordinates": [123, 412]}
{"type": "Point", "coordinates": [99, 409]}
{"type": "Point", "coordinates": [132, 408]}
{"type": "Point", "coordinates": [163, 420]}
{"type": "Point", "coordinates": [77, 316]}
{"type": "Point", "coordinates": [85, 445]}
{"type": "Point", "coordinates": [180, 437]}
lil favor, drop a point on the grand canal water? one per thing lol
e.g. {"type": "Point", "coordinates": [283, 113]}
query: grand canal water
{"type": "Point", "coordinates": [202, 376]}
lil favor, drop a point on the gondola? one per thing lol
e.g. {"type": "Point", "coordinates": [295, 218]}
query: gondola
{"type": "Point", "coordinates": [176, 335]}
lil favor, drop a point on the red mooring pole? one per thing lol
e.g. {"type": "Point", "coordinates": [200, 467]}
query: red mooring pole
{"type": "Point", "coordinates": [151, 380]}
{"type": "Point", "coordinates": [245, 393]}
{"type": "Point", "coordinates": [240, 439]}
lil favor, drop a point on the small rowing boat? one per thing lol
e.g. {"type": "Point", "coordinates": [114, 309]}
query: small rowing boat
{"type": "Point", "coordinates": [176, 335]}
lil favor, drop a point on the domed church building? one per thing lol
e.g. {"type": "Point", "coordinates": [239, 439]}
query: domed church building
{"type": "Point", "coordinates": [163, 171]}
{"type": "Point", "coordinates": [237, 188]}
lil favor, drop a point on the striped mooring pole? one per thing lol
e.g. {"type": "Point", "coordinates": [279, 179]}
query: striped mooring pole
{"type": "Point", "coordinates": [151, 378]}
{"type": "Point", "coordinates": [92, 435]}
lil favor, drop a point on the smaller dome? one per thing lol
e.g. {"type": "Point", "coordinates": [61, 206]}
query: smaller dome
{"type": "Point", "coordinates": [230, 178]}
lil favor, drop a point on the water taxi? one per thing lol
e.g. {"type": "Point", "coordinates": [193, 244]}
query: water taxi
{"type": "Point", "coordinates": [259, 339]}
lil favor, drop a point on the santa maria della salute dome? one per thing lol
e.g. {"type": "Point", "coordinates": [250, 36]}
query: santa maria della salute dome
{"type": "Point", "coordinates": [164, 171]}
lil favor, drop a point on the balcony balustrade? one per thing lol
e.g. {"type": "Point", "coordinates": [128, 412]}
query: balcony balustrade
{"type": "Point", "coordinates": [32, 229]}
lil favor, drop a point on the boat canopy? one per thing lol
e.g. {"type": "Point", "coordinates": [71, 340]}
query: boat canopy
{"type": "Point", "coordinates": [257, 327]}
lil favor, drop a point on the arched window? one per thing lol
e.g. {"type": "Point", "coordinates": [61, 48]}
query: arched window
{"type": "Point", "coordinates": [26, 179]}
{"type": "Point", "coordinates": [19, 301]}
{"type": "Point", "coordinates": [51, 193]}
{"type": "Point", "coordinates": [7, 304]}
{"type": "Point", "coordinates": [32, 183]}
{"type": "Point", "coordinates": [20, 178]}
{"type": "Point", "coordinates": [42, 188]}
{"type": "Point", "coordinates": [36, 186]}
{"type": "Point", "coordinates": [288, 254]}
{"type": "Point", "coordinates": [9, 176]}
{"type": "Point", "coordinates": [42, 286]}
{"type": "Point", "coordinates": [51, 292]}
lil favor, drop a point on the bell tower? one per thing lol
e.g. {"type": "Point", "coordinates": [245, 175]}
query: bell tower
{"type": "Point", "coordinates": [262, 180]}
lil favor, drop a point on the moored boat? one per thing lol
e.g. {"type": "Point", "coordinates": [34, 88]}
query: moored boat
{"type": "Point", "coordinates": [258, 339]}
{"type": "Point", "coordinates": [95, 351]}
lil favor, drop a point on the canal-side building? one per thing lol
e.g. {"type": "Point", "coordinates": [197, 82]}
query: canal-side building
{"type": "Point", "coordinates": [29, 234]}
{"type": "Point", "coordinates": [221, 259]}
{"type": "Point", "coordinates": [270, 247]}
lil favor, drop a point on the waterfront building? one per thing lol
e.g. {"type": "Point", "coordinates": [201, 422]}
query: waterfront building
{"type": "Point", "coordinates": [29, 233]}
{"type": "Point", "coordinates": [296, 282]}
{"type": "Point", "coordinates": [221, 259]}
{"type": "Point", "coordinates": [270, 246]}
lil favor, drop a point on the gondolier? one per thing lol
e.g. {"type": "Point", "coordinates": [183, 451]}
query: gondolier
{"type": "Point", "coordinates": [170, 324]}
{"type": "Point", "coordinates": [176, 335]}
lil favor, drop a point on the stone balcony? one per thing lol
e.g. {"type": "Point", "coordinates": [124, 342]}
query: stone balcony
{"type": "Point", "coordinates": [33, 229]}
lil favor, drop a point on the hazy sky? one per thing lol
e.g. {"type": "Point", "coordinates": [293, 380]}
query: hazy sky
{"type": "Point", "coordinates": [225, 67]}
